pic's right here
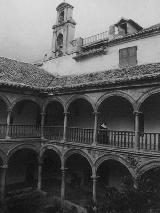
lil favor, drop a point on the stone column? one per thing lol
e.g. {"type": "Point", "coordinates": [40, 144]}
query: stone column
{"type": "Point", "coordinates": [65, 126]}
{"type": "Point", "coordinates": [8, 123]}
{"type": "Point", "coordinates": [42, 124]}
{"type": "Point", "coordinates": [95, 133]}
{"type": "Point", "coordinates": [136, 114]}
{"type": "Point", "coordinates": [135, 182]}
{"type": "Point", "coordinates": [39, 183]}
{"type": "Point", "coordinates": [3, 173]}
{"type": "Point", "coordinates": [63, 171]}
{"type": "Point", "coordinates": [94, 179]}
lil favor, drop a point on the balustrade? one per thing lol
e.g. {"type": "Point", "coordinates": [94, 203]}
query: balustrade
{"type": "Point", "coordinates": [24, 131]}
{"type": "Point", "coordinates": [3, 129]}
{"type": "Point", "coordinates": [122, 139]}
{"type": "Point", "coordinates": [80, 135]}
{"type": "Point", "coordinates": [150, 141]}
{"type": "Point", "coordinates": [53, 132]}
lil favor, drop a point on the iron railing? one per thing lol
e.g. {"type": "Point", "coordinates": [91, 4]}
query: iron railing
{"type": "Point", "coordinates": [95, 38]}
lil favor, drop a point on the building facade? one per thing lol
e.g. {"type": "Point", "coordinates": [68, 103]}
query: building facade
{"type": "Point", "coordinates": [51, 116]}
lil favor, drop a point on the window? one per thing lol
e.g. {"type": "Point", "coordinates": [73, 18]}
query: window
{"type": "Point", "coordinates": [61, 17]}
{"type": "Point", "coordinates": [128, 56]}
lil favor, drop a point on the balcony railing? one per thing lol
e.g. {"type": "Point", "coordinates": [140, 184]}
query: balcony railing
{"type": "Point", "coordinates": [80, 135]}
{"type": "Point", "coordinates": [3, 128]}
{"type": "Point", "coordinates": [53, 132]}
{"type": "Point", "coordinates": [95, 38]}
{"type": "Point", "coordinates": [25, 131]}
{"type": "Point", "coordinates": [150, 141]}
{"type": "Point", "coordinates": [124, 139]}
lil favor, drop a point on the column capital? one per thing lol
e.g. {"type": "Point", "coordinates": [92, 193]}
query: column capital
{"type": "Point", "coordinates": [63, 169]}
{"type": "Point", "coordinates": [5, 166]}
{"type": "Point", "coordinates": [137, 113]}
{"type": "Point", "coordinates": [95, 177]}
{"type": "Point", "coordinates": [96, 113]}
{"type": "Point", "coordinates": [9, 110]}
{"type": "Point", "coordinates": [43, 113]}
{"type": "Point", "coordinates": [66, 113]}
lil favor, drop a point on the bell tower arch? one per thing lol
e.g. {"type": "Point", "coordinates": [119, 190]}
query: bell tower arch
{"type": "Point", "coordinates": [63, 30]}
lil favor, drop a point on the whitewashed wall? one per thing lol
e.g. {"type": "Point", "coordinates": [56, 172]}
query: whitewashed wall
{"type": "Point", "coordinates": [148, 51]}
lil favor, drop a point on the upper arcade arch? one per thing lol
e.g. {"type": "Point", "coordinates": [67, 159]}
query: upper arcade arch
{"type": "Point", "coordinates": [26, 112]}
{"type": "Point", "coordinates": [78, 97]}
{"type": "Point", "coordinates": [115, 94]}
{"type": "Point", "coordinates": [52, 100]}
{"type": "Point", "coordinates": [116, 158]}
{"type": "Point", "coordinates": [146, 96]}
{"type": "Point", "coordinates": [29, 99]}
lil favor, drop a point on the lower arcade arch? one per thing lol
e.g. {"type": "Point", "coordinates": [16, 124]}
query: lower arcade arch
{"type": "Point", "coordinates": [22, 170]}
{"type": "Point", "coordinates": [149, 182]}
{"type": "Point", "coordinates": [51, 172]}
{"type": "Point", "coordinates": [111, 174]}
{"type": "Point", "coordinates": [78, 179]}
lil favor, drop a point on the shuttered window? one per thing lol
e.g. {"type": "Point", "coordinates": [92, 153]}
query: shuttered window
{"type": "Point", "coordinates": [128, 56]}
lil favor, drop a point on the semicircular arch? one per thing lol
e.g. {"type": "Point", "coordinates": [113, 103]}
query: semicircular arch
{"type": "Point", "coordinates": [71, 152]}
{"type": "Point", "coordinates": [145, 96]}
{"type": "Point", "coordinates": [76, 97]}
{"type": "Point", "coordinates": [116, 94]}
{"type": "Point", "coordinates": [21, 99]}
{"type": "Point", "coordinates": [116, 158]}
{"type": "Point", "coordinates": [58, 100]}
{"type": "Point", "coordinates": [148, 166]}
{"type": "Point", "coordinates": [21, 147]}
{"type": "Point", "coordinates": [52, 148]}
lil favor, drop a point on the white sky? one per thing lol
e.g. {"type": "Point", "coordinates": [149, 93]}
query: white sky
{"type": "Point", "coordinates": [26, 25]}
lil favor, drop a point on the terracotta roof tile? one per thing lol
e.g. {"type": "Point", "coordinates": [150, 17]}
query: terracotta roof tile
{"type": "Point", "coordinates": [14, 72]}
{"type": "Point", "coordinates": [139, 72]}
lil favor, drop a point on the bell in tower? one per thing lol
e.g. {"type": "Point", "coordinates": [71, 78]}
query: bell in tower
{"type": "Point", "coordinates": [63, 30]}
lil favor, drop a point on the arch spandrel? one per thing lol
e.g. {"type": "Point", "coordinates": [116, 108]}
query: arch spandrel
{"type": "Point", "coordinates": [77, 97]}
{"type": "Point", "coordinates": [116, 94]}
{"type": "Point", "coordinates": [117, 158]}
{"type": "Point", "coordinates": [3, 158]}
{"type": "Point", "coordinates": [6, 101]}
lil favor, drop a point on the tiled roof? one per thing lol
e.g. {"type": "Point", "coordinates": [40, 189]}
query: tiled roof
{"type": "Point", "coordinates": [108, 77]}
{"type": "Point", "coordinates": [14, 73]}
{"type": "Point", "coordinates": [23, 75]}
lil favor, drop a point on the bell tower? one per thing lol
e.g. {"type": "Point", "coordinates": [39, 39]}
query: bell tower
{"type": "Point", "coordinates": [63, 30]}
